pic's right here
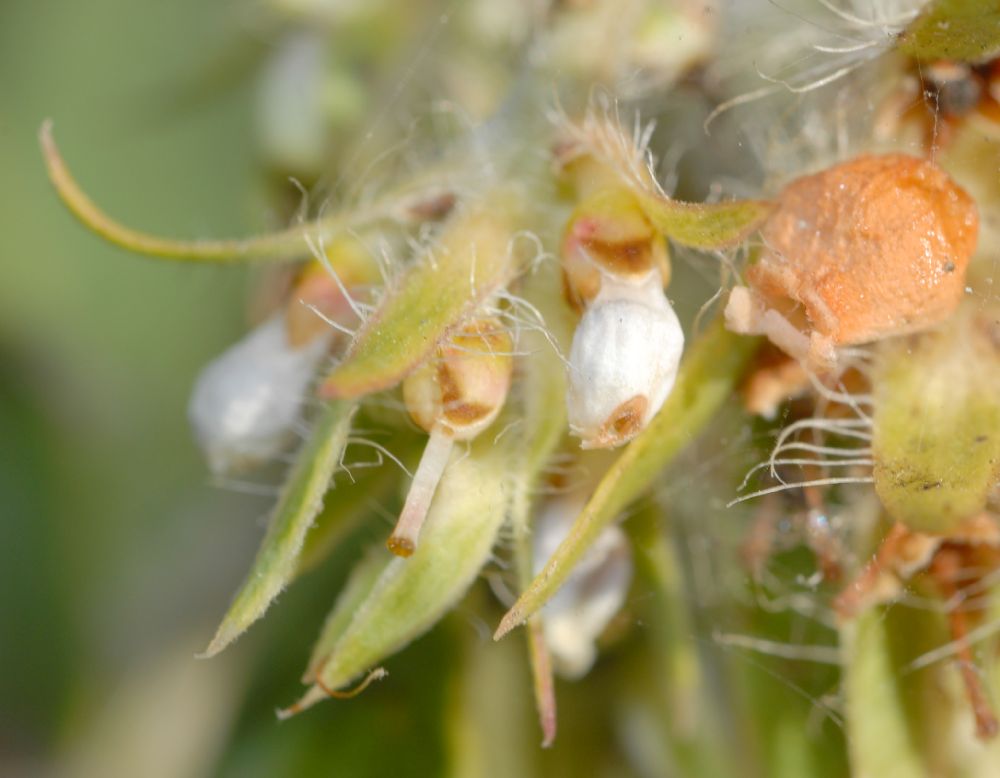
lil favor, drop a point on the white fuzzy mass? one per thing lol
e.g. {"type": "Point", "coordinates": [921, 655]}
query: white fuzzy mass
{"type": "Point", "coordinates": [246, 401]}
{"type": "Point", "coordinates": [628, 344]}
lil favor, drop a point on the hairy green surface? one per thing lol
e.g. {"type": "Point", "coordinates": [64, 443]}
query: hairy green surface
{"type": "Point", "coordinates": [300, 501]}
{"type": "Point", "coordinates": [937, 423]}
{"type": "Point", "coordinates": [382, 611]}
{"type": "Point", "coordinates": [409, 595]}
{"type": "Point", "coordinates": [472, 259]}
{"type": "Point", "coordinates": [967, 30]}
{"type": "Point", "coordinates": [705, 225]}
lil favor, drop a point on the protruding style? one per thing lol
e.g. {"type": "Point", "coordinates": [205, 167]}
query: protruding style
{"type": "Point", "coordinates": [453, 396]}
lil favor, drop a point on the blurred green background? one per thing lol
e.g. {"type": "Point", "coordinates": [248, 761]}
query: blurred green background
{"type": "Point", "coordinates": [102, 492]}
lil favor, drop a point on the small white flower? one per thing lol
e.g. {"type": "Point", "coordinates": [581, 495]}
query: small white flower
{"type": "Point", "coordinates": [623, 361]}
{"type": "Point", "coordinates": [246, 401]}
{"type": "Point", "coordinates": [291, 125]}
{"type": "Point", "coordinates": [580, 611]}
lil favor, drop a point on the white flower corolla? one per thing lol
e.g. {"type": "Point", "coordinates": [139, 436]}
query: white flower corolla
{"type": "Point", "coordinates": [594, 592]}
{"type": "Point", "coordinates": [623, 361]}
{"type": "Point", "coordinates": [246, 401]}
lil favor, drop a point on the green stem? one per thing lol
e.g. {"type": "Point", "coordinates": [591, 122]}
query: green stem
{"type": "Point", "coordinates": [292, 243]}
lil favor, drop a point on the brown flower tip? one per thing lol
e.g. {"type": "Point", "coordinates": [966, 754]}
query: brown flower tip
{"type": "Point", "coordinates": [465, 385]}
{"type": "Point", "coordinates": [609, 234]}
{"type": "Point", "coordinates": [403, 547]}
{"type": "Point", "coordinates": [624, 423]}
{"type": "Point", "coordinates": [774, 378]}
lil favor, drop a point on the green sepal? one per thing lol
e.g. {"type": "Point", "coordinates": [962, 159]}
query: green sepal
{"type": "Point", "coordinates": [473, 258]}
{"type": "Point", "coordinates": [936, 422]}
{"type": "Point", "coordinates": [300, 501]}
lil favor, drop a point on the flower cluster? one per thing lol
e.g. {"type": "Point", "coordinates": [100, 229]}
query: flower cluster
{"type": "Point", "coordinates": [510, 293]}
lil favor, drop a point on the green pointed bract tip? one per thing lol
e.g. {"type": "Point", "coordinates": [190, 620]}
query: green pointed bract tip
{"type": "Point", "coordinates": [472, 259]}
{"type": "Point", "coordinates": [391, 601]}
{"type": "Point", "coordinates": [707, 377]}
{"type": "Point", "coordinates": [300, 501]}
{"type": "Point", "coordinates": [937, 422]}
{"type": "Point", "coordinates": [966, 30]}
{"type": "Point", "coordinates": [705, 226]}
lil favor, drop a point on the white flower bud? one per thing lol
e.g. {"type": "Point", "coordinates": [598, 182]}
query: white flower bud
{"type": "Point", "coordinates": [246, 401]}
{"type": "Point", "coordinates": [594, 592]}
{"type": "Point", "coordinates": [464, 386]}
{"type": "Point", "coordinates": [623, 361]}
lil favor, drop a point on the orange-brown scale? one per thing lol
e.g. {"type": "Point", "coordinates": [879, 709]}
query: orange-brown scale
{"type": "Point", "coordinates": [873, 247]}
{"type": "Point", "coordinates": [317, 289]}
{"type": "Point", "coordinates": [773, 378]}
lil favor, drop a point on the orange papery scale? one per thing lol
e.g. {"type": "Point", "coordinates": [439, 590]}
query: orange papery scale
{"type": "Point", "coordinates": [871, 248]}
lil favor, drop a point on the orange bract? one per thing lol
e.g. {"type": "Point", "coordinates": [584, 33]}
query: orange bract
{"type": "Point", "coordinates": [873, 247]}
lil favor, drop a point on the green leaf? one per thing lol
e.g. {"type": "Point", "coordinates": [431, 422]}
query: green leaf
{"type": "Point", "coordinates": [936, 438]}
{"type": "Point", "coordinates": [472, 259]}
{"type": "Point", "coordinates": [967, 30]}
{"type": "Point", "coordinates": [705, 225]}
{"type": "Point", "coordinates": [301, 499]}
{"type": "Point", "coordinates": [706, 380]}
